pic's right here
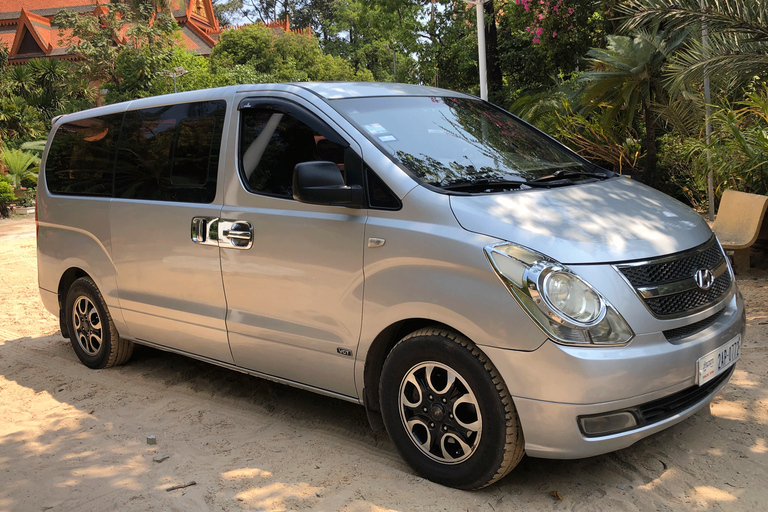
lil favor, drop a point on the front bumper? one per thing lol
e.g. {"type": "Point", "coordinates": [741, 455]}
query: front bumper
{"type": "Point", "coordinates": [555, 384]}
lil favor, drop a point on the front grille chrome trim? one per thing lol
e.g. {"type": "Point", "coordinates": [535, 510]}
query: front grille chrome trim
{"type": "Point", "coordinates": [666, 286]}
{"type": "Point", "coordinates": [684, 285]}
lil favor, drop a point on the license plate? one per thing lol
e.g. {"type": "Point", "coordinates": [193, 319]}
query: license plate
{"type": "Point", "coordinates": [719, 360]}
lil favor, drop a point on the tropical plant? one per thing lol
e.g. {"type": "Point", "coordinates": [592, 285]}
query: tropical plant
{"type": "Point", "coordinates": [626, 78]}
{"type": "Point", "coordinates": [6, 198]}
{"type": "Point", "coordinates": [34, 146]}
{"type": "Point", "coordinates": [20, 165]}
{"type": "Point", "coordinates": [279, 56]}
{"type": "Point", "coordinates": [738, 37]}
{"type": "Point", "coordinates": [612, 145]}
{"type": "Point", "coordinates": [738, 150]}
{"type": "Point", "coordinates": [18, 119]}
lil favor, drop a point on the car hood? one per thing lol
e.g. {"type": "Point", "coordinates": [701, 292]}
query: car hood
{"type": "Point", "coordinates": [608, 221]}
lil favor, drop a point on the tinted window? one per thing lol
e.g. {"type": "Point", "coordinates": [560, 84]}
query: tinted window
{"type": "Point", "coordinates": [379, 194]}
{"type": "Point", "coordinates": [272, 143]}
{"type": "Point", "coordinates": [80, 160]}
{"type": "Point", "coordinates": [170, 153]}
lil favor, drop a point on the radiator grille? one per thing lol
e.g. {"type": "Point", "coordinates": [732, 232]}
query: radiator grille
{"type": "Point", "coordinates": [680, 269]}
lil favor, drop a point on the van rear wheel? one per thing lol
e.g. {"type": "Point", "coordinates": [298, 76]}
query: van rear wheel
{"type": "Point", "coordinates": [91, 331]}
{"type": "Point", "coordinates": [448, 411]}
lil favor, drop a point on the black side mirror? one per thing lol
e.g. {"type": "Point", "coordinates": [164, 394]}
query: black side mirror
{"type": "Point", "coordinates": [322, 183]}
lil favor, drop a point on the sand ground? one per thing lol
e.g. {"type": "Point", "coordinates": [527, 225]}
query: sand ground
{"type": "Point", "coordinates": [74, 439]}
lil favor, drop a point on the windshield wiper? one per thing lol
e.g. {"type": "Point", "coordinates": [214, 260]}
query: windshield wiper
{"type": "Point", "coordinates": [479, 183]}
{"type": "Point", "coordinates": [562, 177]}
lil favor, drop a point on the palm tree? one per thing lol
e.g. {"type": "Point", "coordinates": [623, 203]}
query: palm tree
{"type": "Point", "coordinates": [626, 78]}
{"type": "Point", "coordinates": [738, 36]}
{"type": "Point", "coordinates": [20, 165]}
{"type": "Point", "coordinates": [19, 119]}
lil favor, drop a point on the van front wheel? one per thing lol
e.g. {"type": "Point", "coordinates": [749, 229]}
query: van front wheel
{"type": "Point", "coordinates": [91, 330]}
{"type": "Point", "coordinates": [448, 410]}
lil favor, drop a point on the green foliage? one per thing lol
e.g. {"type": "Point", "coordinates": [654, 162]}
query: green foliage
{"type": "Point", "coordinates": [684, 178]}
{"type": "Point", "coordinates": [18, 119]}
{"type": "Point", "coordinates": [372, 34]}
{"type": "Point", "coordinates": [93, 40]}
{"type": "Point", "coordinates": [611, 145]}
{"type": "Point", "coordinates": [35, 146]}
{"type": "Point", "coordinates": [130, 69]}
{"type": "Point", "coordinates": [738, 37]}
{"type": "Point", "coordinates": [6, 197]}
{"type": "Point", "coordinates": [28, 197]}
{"type": "Point", "coordinates": [626, 78]}
{"type": "Point", "coordinates": [260, 54]}
{"type": "Point", "coordinates": [19, 165]}
{"type": "Point", "coordinates": [226, 11]}
{"type": "Point", "coordinates": [447, 55]}
{"type": "Point", "coordinates": [533, 50]}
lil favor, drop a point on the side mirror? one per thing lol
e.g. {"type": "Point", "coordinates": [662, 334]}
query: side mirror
{"type": "Point", "coordinates": [322, 183]}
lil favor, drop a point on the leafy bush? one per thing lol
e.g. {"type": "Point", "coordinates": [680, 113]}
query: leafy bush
{"type": "Point", "coordinates": [27, 198]}
{"type": "Point", "coordinates": [6, 197]}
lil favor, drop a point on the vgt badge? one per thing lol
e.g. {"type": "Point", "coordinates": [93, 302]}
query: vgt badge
{"type": "Point", "coordinates": [704, 278]}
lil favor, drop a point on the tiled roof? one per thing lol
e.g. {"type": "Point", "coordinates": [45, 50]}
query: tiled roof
{"type": "Point", "coordinates": [25, 26]}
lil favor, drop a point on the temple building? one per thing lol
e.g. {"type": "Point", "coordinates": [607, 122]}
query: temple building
{"type": "Point", "coordinates": [26, 26]}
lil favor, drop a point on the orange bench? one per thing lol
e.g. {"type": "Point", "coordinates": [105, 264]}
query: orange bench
{"type": "Point", "coordinates": [739, 223]}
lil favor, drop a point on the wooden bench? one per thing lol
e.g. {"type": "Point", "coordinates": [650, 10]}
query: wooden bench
{"type": "Point", "coordinates": [739, 223]}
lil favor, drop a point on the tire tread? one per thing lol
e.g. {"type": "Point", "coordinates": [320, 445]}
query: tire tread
{"type": "Point", "coordinates": [514, 448]}
{"type": "Point", "coordinates": [120, 349]}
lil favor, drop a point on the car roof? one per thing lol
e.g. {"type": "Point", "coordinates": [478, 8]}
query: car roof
{"type": "Point", "coordinates": [340, 90]}
{"type": "Point", "coordinates": [327, 91]}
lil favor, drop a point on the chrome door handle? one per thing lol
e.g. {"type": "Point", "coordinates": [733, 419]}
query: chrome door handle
{"type": "Point", "coordinates": [235, 234]}
{"type": "Point", "coordinates": [239, 235]}
{"type": "Point", "coordinates": [205, 230]}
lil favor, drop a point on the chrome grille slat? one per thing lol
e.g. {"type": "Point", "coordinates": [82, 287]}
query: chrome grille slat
{"type": "Point", "coordinates": [671, 273]}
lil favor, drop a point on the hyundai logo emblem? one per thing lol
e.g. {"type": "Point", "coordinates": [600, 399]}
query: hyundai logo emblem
{"type": "Point", "coordinates": [704, 278]}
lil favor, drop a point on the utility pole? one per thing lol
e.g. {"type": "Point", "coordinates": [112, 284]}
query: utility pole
{"type": "Point", "coordinates": [481, 49]}
{"type": "Point", "coordinates": [708, 113]}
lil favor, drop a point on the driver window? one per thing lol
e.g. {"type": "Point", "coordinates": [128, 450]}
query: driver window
{"type": "Point", "coordinates": [272, 143]}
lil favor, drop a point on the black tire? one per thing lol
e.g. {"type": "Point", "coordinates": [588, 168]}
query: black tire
{"type": "Point", "coordinates": [469, 436]}
{"type": "Point", "coordinates": [91, 331]}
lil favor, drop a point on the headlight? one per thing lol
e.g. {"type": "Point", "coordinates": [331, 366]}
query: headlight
{"type": "Point", "coordinates": [565, 306]}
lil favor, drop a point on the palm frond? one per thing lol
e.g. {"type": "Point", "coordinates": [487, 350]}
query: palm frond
{"type": "Point", "coordinates": [748, 18]}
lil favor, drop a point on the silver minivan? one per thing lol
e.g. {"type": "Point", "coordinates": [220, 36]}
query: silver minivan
{"type": "Point", "coordinates": [480, 289]}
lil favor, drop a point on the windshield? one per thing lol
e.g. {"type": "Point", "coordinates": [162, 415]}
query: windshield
{"type": "Point", "coordinates": [456, 142]}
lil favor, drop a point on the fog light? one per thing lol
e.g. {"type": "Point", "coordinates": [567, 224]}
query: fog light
{"type": "Point", "coordinates": [605, 424]}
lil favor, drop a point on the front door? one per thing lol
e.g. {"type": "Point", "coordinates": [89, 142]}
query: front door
{"type": "Point", "coordinates": [294, 291]}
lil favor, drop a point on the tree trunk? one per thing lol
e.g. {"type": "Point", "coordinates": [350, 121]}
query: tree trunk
{"type": "Point", "coordinates": [650, 142]}
{"type": "Point", "coordinates": [495, 79]}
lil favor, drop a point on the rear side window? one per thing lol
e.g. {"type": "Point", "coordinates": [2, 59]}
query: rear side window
{"type": "Point", "coordinates": [170, 153]}
{"type": "Point", "coordinates": [80, 160]}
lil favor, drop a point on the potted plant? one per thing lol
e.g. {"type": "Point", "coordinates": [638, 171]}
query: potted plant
{"type": "Point", "coordinates": [25, 204]}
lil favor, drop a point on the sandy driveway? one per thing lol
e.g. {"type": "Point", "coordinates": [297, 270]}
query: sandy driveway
{"type": "Point", "coordinates": [75, 439]}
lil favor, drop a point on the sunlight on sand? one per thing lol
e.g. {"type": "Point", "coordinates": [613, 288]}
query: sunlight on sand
{"type": "Point", "coordinates": [740, 378]}
{"type": "Point", "coordinates": [731, 410]}
{"type": "Point", "coordinates": [271, 497]}
{"type": "Point", "coordinates": [245, 473]}
{"type": "Point", "coordinates": [759, 446]}
{"type": "Point", "coordinates": [708, 494]}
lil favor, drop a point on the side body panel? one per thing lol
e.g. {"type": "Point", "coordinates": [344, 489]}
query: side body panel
{"type": "Point", "coordinates": [170, 287]}
{"type": "Point", "coordinates": [74, 232]}
{"type": "Point", "coordinates": [431, 268]}
{"type": "Point", "coordinates": [294, 299]}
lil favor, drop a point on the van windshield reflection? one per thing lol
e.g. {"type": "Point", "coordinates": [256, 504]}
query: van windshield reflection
{"type": "Point", "coordinates": [464, 144]}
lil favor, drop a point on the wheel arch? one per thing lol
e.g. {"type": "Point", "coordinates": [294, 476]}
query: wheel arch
{"type": "Point", "coordinates": [65, 282]}
{"type": "Point", "coordinates": [377, 354]}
